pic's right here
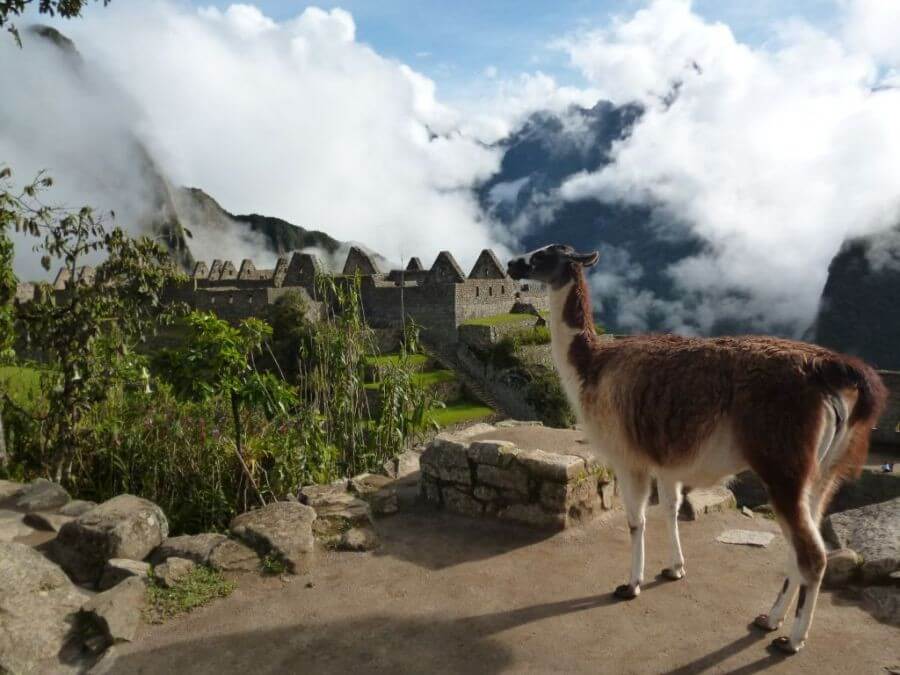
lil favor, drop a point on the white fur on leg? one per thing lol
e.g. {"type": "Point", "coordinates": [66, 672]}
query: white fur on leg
{"type": "Point", "coordinates": [635, 486]}
{"type": "Point", "coordinates": [670, 500]}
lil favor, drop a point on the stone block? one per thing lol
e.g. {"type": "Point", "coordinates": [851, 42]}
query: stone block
{"type": "Point", "coordinates": [843, 567]}
{"type": "Point", "coordinates": [461, 502]}
{"type": "Point", "coordinates": [119, 569]}
{"type": "Point", "coordinates": [551, 466]}
{"type": "Point", "coordinates": [196, 547]}
{"type": "Point", "coordinates": [533, 515]}
{"type": "Point", "coordinates": [607, 492]}
{"type": "Point", "coordinates": [42, 495]}
{"type": "Point", "coordinates": [494, 453]}
{"type": "Point", "coordinates": [233, 556]}
{"type": "Point", "coordinates": [562, 496]}
{"type": "Point", "coordinates": [378, 492]}
{"type": "Point", "coordinates": [872, 531]}
{"type": "Point", "coordinates": [284, 529]}
{"type": "Point", "coordinates": [173, 570]}
{"type": "Point", "coordinates": [430, 490]}
{"type": "Point", "coordinates": [701, 501]}
{"type": "Point", "coordinates": [513, 477]}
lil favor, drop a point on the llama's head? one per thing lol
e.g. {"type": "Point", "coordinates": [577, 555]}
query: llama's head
{"type": "Point", "coordinates": [556, 264]}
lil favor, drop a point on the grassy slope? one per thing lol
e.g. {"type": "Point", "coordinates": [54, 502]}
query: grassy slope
{"type": "Point", "coordinates": [460, 411]}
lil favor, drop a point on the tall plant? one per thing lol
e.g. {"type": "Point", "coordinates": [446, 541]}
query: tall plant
{"type": "Point", "coordinates": [7, 287]}
{"type": "Point", "coordinates": [87, 331]}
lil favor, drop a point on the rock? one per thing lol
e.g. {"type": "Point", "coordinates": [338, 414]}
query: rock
{"type": "Point", "coordinates": [357, 539]}
{"type": "Point", "coordinates": [117, 612]}
{"type": "Point", "coordinates": [494, 453]}
{"type": "Point", "coordinates": [233, 556]}
{"type": "Point", "coordinates": [607, 492]}
{"type": "Point", "coordinates": [311, 495]}
{"type": "Point", "coordinates": [12, 526]}
{"type": "Point", "coordinates": [119, 569]}
{"type": "Point", "coordinates": [173, 570]}
{"type": "Point", "coordinates": [196, 547]}
{"type": "Point", "coordinates": [746, 537]}
{"type": "Point", "coordinates": [872, 531]}
{"type": "Point", "coordinates": [430, 490]}
{"type": "Point", "coordinates": [747, 512]}
{"type": "Point", "coordinates": [283, 529]}
{"type": "Point", "coordinates": [477, 429]}
{"type": "Point", "coordinates": [765, 510]}
{"type": "Point", "coordinates": [10, 489]}
{"type": "Point", "coordinates": [699, 502]}
{"type": "Point", "coordinates": [378, 491]}
{"type": "Point", "coordinates": [76, 507]}
{"type": "Point", "coordinates": [534, 515]}
{"type": "Point", "coordinates": [511, 478]}
{"type": "Point", "coordinates": [38, 611]}
{"type": "Point", "coordinates": [461, 502]}
{"type": "Point", "coordinates": [48, 522]}
{"type": "Point", "coordinates": [883, 602]}
{"type": "Point", "coordinates": [447, 460]}
{"type": "Point", "coordinates": [509, 424]}
{"type": "Point", "coordinates": [122, 527]}
{"type": "Point", "coordinates": [748, 490]}
{"type": "Point", "coordinates": [42, 495]}
{"type": "Point", "coordinates": [565, 496]}
{"type": "Point", "coordinates": [338, 512]}
{"type": "Point", "coordinates": [551, 466]}
{"type": "Point", "coordinates": [843, 566]}
{"type": "Point", "coordinates": [406, 464]}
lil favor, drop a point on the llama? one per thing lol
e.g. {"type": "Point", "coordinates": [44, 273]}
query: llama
{"type": "Point", "coordinates": [692, 411]}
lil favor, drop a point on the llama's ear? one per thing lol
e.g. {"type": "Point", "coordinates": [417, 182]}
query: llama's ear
{"type": "Point", "coordinates": [586, 259]}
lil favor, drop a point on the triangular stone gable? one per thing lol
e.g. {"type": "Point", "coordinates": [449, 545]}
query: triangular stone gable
{"type": "Point", "coordinates": [415, 265]}
{"type": "Point", "coordinates": [228, 270]}
{"type": "Point", "coordinates": [201, 271]}
{"type": "Point", "coordinates": [487, 267]}
{"type": "Point", "coordinates": [358, 261]}
{"type": "Point", "coordinates": [280, 272]}
{"type": "Point", "coordinates": [215, 271]}
{"type": "Point", "coordinates": [446, 270]}
{"type": "Point", "coordinates": [85, 275]}
{"type": "Point", "coordinates": [302, 270]}
{"type": "Point", "coordinates": [248, 270]}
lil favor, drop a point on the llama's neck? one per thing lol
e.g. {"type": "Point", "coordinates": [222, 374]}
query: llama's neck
{"type": "Point", "coordinates": [571, 331]}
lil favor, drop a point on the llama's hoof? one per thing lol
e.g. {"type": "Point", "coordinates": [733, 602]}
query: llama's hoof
{"type": "Point", "coordinates": [784, 645]}
{"type": "Point", "coordinates": [627, 591]}
{"type": "Point", "coordinates": [672, 574]}
{"type": "Point", "coordinates": [762, 622]}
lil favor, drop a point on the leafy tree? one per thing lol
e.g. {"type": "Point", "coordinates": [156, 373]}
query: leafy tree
{"type": "Point", "coordinates": [7, 290]}
{"type": "Point", "coordinates": [218, 360]}
{"type": "Point", "coordinates": [87, 332]}
{"type": "Point", "coordinates": [65, 8]}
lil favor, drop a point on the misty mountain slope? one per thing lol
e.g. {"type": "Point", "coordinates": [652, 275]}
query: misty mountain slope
{"type": "Point", "coordinates": [207, 219]}
{"type": "Point", "coordinates": [636, 247]}
{"type": "Point", "coordinates": [859, 308]}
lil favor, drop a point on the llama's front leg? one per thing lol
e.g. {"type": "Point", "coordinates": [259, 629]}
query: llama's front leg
{"type": "Point", "coordinates": [635, 486]}
{"type": "Point", "coordinates": [670, 501]}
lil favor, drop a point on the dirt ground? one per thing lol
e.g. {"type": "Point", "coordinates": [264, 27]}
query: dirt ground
{"type": "Point", "coordinates": [446, 594]}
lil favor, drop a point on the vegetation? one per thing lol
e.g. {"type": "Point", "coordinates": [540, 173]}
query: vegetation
{"type": "Point", "coordinates": [199, 587]}
{"type": "Point", "coordinates": [459, 412]}
{"type": "Point", "coordinates": [500, 320]}
{"type": "Point", "coordinates": [12, 8]}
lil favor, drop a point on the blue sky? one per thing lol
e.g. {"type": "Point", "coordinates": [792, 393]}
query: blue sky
{"type": "Point", "coordinates": [454, 41]}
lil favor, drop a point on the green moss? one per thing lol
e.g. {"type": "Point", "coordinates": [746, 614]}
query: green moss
{"type": "Point", "coordinates": [500, 320]}
{"type": "Point", "coordinates": [22, 383]}
{"type": "Point", "coordinates": [199, 587]}
{"type": "Point", "coordinates": [458, 412]}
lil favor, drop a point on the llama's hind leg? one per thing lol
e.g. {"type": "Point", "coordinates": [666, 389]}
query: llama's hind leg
{"type": "Point", "coordinates": [670, 501]}
{"type": "Point", "coordinates": [635, 486]}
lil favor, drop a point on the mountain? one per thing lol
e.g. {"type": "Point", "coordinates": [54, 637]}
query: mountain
{"type": "Point", "coordinates": [858, 313]}
{"type": "Point", "coordinates": [633, 243]}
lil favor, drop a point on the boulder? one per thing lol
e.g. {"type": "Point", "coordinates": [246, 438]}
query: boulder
{"type": "Point", "coordinates": [281, 528]}
{"type": "Point", "coordinates": [12, 526]}
{"type": "Point", "coordinates": [883, 602]}
{"type": "Point", "coordinates": [119, 569]}
{"type": "Point", "coordinates": [47, 522]}
{"type": "Point", "coordinates": [461, 502]}
{"type": "Point", "coordinates": [76, 507]}
{"type": "Point", "coordinates": [872, 531]}
{"type": "Point", "coordinates": [173, 570]}
{"type": "Point", "coordinates": [494, 453]}
{"type": "Point", "coordinates": [357, 539]}
{"type": "Point", "coordinates": [552, 466]}
{"type": "Point", "coordinates": [38, 611]}
{"type": "Point", "coordinates": [699, 502]}
{"type": "Point", "coordinates": [122, 527]}
{"type": "Point", "coordinates": [749, 490]}
{"type": "Point", "coordinates": [117, 612]}
{"type": "Point", "coordinates": [337, 512]}
{"type": "Point", "coordinates": [405, 464]}
{"type": "Point", "coordinates": [377, 491]}
{"type": "Point", "coordinates": [513, 478]}
{"type": "Point", "coordinates": [196, 547]}
{"type": "Point", "coordinates": [843, 566]}
{"type": "Point", "coordinates": [233, 556]}
{"type": "Point", "coordinates": [447, 460]}
{"type": "Point", "coordinates": [42, 495]}
{"type": "Point", "coordinates": [10, 489]}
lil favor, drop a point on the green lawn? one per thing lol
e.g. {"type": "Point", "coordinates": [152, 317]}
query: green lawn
{"type": "Point", "coordinates": [427, 379]}
{"type": "Point", "coordinates": [461, 411]}
{"type": "Point", "coordinates": [414, 360]}
{"type": "Point", "coordinates": [500, 320]}
{"type": "Point", "coordinates": [22, 383]}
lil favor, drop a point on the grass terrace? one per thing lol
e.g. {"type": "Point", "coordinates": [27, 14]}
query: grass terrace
{"type": "Point", "coordinates": [460, 412]}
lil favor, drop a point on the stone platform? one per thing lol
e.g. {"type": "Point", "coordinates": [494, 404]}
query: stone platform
{"type": "Point", "coordinates": [499, 479]}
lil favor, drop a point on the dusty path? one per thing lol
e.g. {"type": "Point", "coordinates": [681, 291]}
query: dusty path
{"type": "Point", "coordinates": [445, 594]}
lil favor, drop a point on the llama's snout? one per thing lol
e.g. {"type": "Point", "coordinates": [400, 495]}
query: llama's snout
{"type": "Point", "coordinates": [518, 268]}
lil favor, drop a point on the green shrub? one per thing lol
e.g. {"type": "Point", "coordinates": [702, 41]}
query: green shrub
{"type": "Point", "coordinates": [199, 587]}
{"type": "Point", "coordinates": [545, 394]}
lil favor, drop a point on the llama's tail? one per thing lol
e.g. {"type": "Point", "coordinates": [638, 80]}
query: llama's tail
{"type": "Point", "coordinates": [846, 372]}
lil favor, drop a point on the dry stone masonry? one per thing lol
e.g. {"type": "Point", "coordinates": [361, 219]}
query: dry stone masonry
{"type": "Point", "coordinates": [495, 478]}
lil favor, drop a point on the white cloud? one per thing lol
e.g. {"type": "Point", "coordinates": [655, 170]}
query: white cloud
{"type": "Point", "coordinates": [772, 155]}
{"type": "Point", "coordinates": [293, 118]}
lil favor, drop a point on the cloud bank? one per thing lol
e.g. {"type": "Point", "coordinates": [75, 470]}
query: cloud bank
{"type": "Point", "coordinates": [773, 156]}
{"type": "Point", "coordinates": [295, 119]}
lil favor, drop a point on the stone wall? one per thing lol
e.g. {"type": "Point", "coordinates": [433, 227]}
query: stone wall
{"type": "Point", "coordinates": [497, 479]}
{"type": "Point", "coordinates": [888, 429]}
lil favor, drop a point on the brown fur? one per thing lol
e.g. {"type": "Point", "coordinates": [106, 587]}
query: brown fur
{"type": "Point", "coordinates": [671, 392]}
